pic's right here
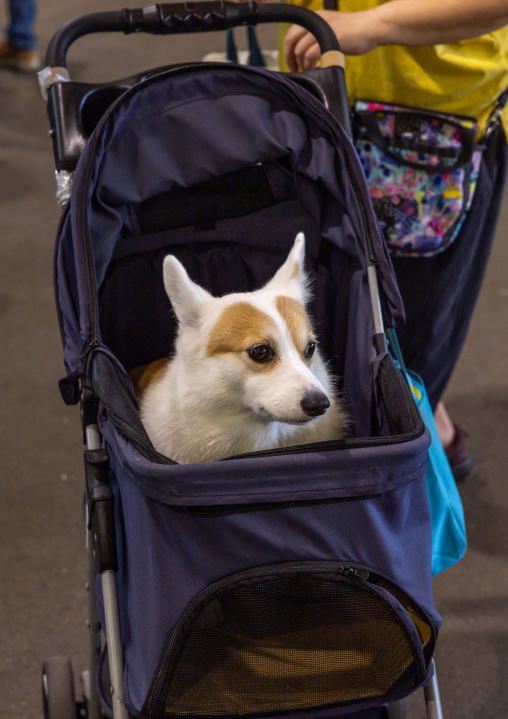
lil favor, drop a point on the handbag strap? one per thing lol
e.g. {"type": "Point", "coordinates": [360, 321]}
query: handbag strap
{"type": "Point", "coordinates": [231, 53]}
{"type": "Point", "coordinates": [255, 55]}
{"type": "Point", "coordinates": [396, 353]}
{"type": "Point", "coordinates": [495, 115]}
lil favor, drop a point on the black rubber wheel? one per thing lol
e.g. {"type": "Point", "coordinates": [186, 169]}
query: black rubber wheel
{"type": "Point", "coordinates": [58, 688]}
{"type": "Point", "coordinates": [397, 710]}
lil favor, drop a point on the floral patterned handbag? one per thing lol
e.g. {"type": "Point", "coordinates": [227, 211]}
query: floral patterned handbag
{"type": "Point", "coordinates": [421, 168]}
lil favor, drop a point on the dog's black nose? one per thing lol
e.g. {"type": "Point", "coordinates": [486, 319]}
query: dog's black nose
{"type": "Point", "coordinates": [315, 403]}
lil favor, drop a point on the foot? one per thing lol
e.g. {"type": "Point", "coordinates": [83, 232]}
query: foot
{"type": "Point", "coordinates": [14, 58]}
{"type": "Point", "coordinates": [461, 462]}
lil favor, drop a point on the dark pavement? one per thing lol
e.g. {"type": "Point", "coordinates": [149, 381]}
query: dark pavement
{"type": "Point", "coordinates": [42, 558]}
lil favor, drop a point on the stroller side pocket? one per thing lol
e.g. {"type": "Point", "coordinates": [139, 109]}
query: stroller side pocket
{"type": "Point", "coordinates": [292, 637]}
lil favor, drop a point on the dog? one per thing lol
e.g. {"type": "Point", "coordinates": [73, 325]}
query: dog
{"type": "Point", "coordinates": [246, 375]}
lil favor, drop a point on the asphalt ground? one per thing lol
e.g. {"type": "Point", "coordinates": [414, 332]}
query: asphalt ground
{"type": "Point", "coordinates": [42, 558]}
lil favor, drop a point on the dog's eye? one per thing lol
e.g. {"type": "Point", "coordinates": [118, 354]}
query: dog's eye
{"type": "Point", "coordinates": [260, 353]}
{"type": "Point", "coordinates": [310, 349]}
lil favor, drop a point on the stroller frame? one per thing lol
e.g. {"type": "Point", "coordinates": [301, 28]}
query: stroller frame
{"type": "Point", "coordinates": [69, 138]}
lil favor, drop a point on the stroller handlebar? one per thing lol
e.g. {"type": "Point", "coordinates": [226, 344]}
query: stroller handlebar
{"type": "Point", "coordinates": [74, 108]}
{"type": "Point", "coordinates": [189, 17]}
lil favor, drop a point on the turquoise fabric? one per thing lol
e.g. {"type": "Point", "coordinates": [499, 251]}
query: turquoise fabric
{"type": "Point", "coordinates": [446, 512]}
{"type": "Point", "coordinates": [449, 541]}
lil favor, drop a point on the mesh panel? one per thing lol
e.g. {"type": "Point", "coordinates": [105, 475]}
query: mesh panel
{"type": "Point", "coordinates": [287, 643]}
{"type": "Point", "coordinates": [108, 386]}
{"type": "Point", "coordinates": [401, 411]}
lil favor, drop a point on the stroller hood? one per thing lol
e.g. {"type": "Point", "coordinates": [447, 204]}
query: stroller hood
{"type": "Point", "coordinates": [187, 126]}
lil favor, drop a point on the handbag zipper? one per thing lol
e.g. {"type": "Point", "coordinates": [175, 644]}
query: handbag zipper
{"type": "Point", "coordinates": [352, 570]}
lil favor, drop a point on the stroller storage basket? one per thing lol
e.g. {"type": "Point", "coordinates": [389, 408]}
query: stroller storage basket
{"type": "Point", "coordinates": [290, 637]}
{"type": "Point", "coordinates": [287, 582]}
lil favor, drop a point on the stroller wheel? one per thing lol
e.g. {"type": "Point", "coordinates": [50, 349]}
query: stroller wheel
{"type": "Point", "coordinates": [58, 688]}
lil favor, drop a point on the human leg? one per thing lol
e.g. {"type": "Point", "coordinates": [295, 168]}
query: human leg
{"type": "Point", "coordinates": [19, 51]}
{"type": "Point", "coordinates": [20, 30]}
{"type": "Point", "coordinates": [452, 438]}
{"type": "Point", "coordinates": [440, 292]}
{"type": "Point", "coordinates": [444, 425]}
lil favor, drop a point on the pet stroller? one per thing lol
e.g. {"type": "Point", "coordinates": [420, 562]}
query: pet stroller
{"type": "Point", "coordinates": [293, 582]}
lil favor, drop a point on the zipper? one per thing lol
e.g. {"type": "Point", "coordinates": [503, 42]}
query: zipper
{"type": "Point", "coordinates": [148, 451]}
{"type": "Point", "coordinates": [289, 85]}
{"type": "Point", "coordinates": [357, 442]}
{"type": "Point", "coordinates": [90, 347]}
{"type": "Point", "coordinates": [356, 572]}
{"type": "Point", "coordinates": [448, 117]}
{"type": "Point", "coordinates": [365, 573]}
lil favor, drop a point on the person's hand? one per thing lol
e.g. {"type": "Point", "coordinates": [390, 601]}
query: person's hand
{"type": "Point", "coordinates": [302, 51]}
{"type": "Point", "coordinates": [398, 22]}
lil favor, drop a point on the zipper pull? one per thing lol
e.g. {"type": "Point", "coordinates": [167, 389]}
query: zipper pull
{"type": "Point", "coordinates": [362, 574]}
{"type": "Point", "coordinates": [91, 346]}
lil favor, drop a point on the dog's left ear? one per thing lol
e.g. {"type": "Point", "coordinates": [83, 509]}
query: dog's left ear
{"type": "Point", "coordinates": [184, 294]}
{"type": "Point", "coordinates": [290, 279]}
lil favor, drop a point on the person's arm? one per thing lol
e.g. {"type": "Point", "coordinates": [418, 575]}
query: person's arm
{"type": "Point", "coordinates": [398, 22]}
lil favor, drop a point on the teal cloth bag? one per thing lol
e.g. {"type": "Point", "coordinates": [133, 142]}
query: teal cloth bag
{"type": "Point", "coordinates": [446, 512]}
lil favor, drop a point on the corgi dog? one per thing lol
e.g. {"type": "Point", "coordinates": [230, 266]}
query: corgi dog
{"type": "Point", "coordinates": [247, 374]}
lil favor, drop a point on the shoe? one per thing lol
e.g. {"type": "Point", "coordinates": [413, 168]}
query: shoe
{"type": "Point", "coordinates": [461, 462]}
{"type": "Point", "coordinates": [16, 59]}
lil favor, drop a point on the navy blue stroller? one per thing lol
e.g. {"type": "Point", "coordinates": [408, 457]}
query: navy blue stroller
{"type": "Point", "coordinates": [293, 582]}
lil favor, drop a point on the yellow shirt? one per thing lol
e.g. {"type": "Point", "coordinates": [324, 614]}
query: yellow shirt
{"type": "Point", "coordinates": [464, 77]}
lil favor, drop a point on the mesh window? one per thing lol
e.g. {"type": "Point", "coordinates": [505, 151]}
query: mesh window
{"type": "Point", "coordinates": [109, 388]}
{"type": "Point", "coordinates": [286, 644]}
{"type": "Point", "coordinates": [401, 412]}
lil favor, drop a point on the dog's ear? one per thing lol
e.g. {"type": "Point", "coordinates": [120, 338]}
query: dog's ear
{"type": "Point", "coordinates": [291, 279]}
{"type": "Point", "coordinates": [184, 294]}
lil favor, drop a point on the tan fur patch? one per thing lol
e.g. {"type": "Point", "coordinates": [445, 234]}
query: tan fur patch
{"type": "Point", "coordinates": [143, 376]}
{"type": "Point", "coordinates": [240, 326]}
{"type": "Point", "coordinates": [296, 319]}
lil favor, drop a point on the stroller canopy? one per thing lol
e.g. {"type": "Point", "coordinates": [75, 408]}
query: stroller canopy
{"type": "Point", "coordinates": [181, 129]}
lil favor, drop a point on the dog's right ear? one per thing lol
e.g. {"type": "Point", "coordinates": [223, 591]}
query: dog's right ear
{"type": "Point", "coordinates": [290, 279]}
{"type": "Point", "coordinates": [184, 294]}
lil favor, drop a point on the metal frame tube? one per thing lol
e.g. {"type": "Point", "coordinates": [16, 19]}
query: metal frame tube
{"type": "Point", "coordinates": [114, 642]}
{"type": "Point", "coordinates": [94, 637]}
{"type": "Point", "coordinates": [374, 299]}
{"type": "Point", "coordinates": [379, 337]}
{"type": "Point", "coordinates": [432, 698]}
{"type": "Point", "coordinates": [113, 637]}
